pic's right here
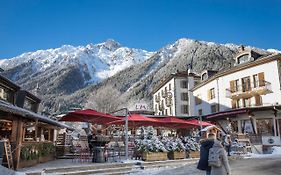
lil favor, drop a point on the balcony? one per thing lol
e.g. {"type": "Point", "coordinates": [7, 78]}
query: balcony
{"type": "Point", "coordinates": [168, 101]}
{"type": "Point", "coordinates": [161, 107]}
{"type": "Point", "coordinates": [249, 90]}
{"type": "Point", "coordinates": [157, 98]}
{"type": "Point", "coordinates": [164, 93]}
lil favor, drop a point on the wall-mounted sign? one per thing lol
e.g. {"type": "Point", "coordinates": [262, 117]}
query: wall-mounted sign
{"type": "Point", "coordinates": [141, 107]}
{"type": "Point", "coordinates": [271, 140]}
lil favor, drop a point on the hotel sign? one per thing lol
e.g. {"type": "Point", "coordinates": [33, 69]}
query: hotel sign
{"type": "Point", "coordinates": [141, 107]}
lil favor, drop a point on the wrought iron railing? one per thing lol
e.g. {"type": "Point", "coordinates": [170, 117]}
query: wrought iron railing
{"type": "Point", "coordinates": [248, 87]}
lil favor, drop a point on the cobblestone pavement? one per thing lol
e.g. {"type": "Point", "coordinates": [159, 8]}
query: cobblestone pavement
{"type": "Point", "coordinates": [253, 166]}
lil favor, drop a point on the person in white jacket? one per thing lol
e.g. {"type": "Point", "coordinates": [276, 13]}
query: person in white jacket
{"type": "Point", "coordinates": [224, 169]}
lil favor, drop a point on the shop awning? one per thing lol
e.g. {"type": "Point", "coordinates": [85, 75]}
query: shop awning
{"type": "Point", "coordinates": [225, 114]}
{"type": "Point", "coordinates": [90, 116]}
{"type": "Point", "coordinates": [135, 120]}
{"type": "Point", "coordinates": [10, 108]}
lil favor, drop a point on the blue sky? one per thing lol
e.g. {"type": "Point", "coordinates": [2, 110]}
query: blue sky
{"type": "Point", "coordinates": [30, 25]}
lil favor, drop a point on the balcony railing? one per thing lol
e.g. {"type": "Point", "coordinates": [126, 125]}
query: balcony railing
{"type": "Point", "coordinates": [168, 101]}
{"type": "Point", "coordinates": [249, 89]}
{"type": "Point", "coordinates": [161, 107]}
{"type": "Point", "coordinates": [157, 98]}
{"type": "Point", "coordinates": [164, 93]}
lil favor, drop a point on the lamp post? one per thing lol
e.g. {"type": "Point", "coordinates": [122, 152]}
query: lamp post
{"type": "Point", "coordinates": [200, 122]}
{"type": "Point", "coordinates": [126, 130]}
{"type": "Point", "coordinates": [126, 135]}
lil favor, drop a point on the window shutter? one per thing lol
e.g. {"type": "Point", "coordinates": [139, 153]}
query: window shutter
{"type": "Point", "coordinates": [258, 100]}
{"type": "Point", "coordinates": [261, 79]}
{"type": "Point", "coordinates": [233, 104]}
{"type": "Point", "coordinates": [232, 86]}
{"type": "Point", "coordinates": [209, 94]}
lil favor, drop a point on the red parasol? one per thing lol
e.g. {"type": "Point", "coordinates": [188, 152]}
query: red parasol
{"type": "Point", "coordinates": [196, 122]}
{"type": "Point", "coordinates": [90, 116]}
{"type": "Point", "coordinates": [137, 120]}
{"type": "Point", "coordinates": [174, 122]}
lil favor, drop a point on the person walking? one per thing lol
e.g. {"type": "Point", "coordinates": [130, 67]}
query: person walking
{"type": "Point", "coordinates": [227, 144]}
{"type": "Point", "coordinates": [204, 153]}
{"type": "Point", "coordinates": [223, 168]}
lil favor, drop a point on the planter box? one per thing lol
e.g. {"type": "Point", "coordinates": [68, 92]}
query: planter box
{"type": "Point", "coordinates": [150, 156]}
{"type": "Point", "coordinates": [176, 155]}
{"type": "Point", "coordinates": [27, 163]}
{"type": "Point", "coordinates": [46, 158]}
{"type": "Point", "coordinates": [194, 154]}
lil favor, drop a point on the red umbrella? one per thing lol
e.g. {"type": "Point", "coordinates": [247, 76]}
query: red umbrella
{"type": "Point", "coordinates": [196, 122]}
{"type": "Point", "coordinates": [137, 120]}
{"type": "Point", "coordinates": [90, 116]}
{"type": "Point", "coordinates": [174, 122]}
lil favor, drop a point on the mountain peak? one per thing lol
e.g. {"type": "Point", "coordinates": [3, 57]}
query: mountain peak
{"type": "Point", "coordinates": [110, 44]}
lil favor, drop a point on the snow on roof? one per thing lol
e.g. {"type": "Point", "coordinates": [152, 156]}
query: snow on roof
{"type": "Point", "coordinates": [8, 107]}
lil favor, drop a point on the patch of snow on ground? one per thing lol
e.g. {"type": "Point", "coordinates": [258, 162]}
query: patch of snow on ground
{"type": "Point", "coordinates": [276, 152]}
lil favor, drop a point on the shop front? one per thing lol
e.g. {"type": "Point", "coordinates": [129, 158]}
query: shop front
{"type": "Point", "coordinates": [260, 124]}
{"type": "Point", "coordinates": [30, 135]}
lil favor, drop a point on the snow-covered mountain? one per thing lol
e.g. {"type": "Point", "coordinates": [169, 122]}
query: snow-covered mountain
{"type": "Point", "coordinates": [69, 76]}
{"type": "Point", "coordinates": [96, 62]}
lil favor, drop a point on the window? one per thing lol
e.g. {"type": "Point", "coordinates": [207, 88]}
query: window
{"type": "Point", "coordinates": [170, 86]}
{"type": "Point", "coordinates": [184, 109]}
{"type": "Point", "coordinates": [265, 127]}
{"type": "Point", "coordinates": [256, 80]}
{"type": "Point", "coordinates": [6, 94]}
{"type": "Point", "coordinates": [247, 102]}
{"type": "Point", "coordinates": [211, 93]}
{"type": "Point", "coordinates": [200, 112]}
{"type": "Point", "coordinates": [247, 126]}
{"type": "Point", "coordinates": [30, 105]}
{"type": "Point", "coordinates": [155, 108]}
{"type": "Point", "coordinates": [243, 59]}
{"type": "Point", "coordinates": [171, 111]}
{"type": "Point", "coordinates": [246, 84]}
{"type": "Point", "coordinates": [29, 131]}
{"type": "Point", "coordinates": [214, 108]}
{"type": "Point", "coordinates": [166, 111]}
{"type": "Point", "coordinates": [234, 126]}
{"type": "Point", "coordinates": [184, 84]}
{"type": "Point", "coordinates": [198, 100]}
{"type": "Point", "coordinates": [204, 76]}
{"type": "Point", "coordinates": [184, 96]}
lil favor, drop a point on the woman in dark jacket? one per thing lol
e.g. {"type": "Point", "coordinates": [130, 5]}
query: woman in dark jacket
{"type": "Point", "coordinates": [204, 154]}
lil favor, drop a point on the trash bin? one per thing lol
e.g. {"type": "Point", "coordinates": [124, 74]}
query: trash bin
{"type": "Point", "coordinates": [98, 154]}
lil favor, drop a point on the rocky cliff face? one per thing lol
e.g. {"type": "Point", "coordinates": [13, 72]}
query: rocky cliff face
{"type": "Point", "coordinates": [73, 76]}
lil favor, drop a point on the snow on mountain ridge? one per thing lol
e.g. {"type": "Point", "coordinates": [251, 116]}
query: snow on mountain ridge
{"type": "Point", "coordinates": [100, 60]}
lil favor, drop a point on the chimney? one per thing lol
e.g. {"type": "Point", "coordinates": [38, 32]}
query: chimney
{"type": "Point", "coordinates": [242, 48]}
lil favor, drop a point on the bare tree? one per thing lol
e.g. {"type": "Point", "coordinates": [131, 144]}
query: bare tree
{"type": "Point", "coordinates": [105, 99]}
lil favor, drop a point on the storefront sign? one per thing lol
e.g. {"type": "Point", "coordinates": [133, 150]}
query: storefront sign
{"type": "Point", "coordinates": [271, 140]}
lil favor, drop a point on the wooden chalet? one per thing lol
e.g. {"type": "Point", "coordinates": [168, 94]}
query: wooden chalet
{"type": "Point", "coordinates": [31, 136]}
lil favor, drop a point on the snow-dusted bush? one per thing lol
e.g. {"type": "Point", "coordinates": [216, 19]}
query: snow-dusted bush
{"type": "Point", "coordinates": [191, 144]}
{"type": "Point", "coordinates": [149, 142]}
{"type": "Point", "coordinates": [173, 144]}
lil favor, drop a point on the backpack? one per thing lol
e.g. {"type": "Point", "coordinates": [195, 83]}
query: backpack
{"type": "Point", "coordinates": [214, 159]}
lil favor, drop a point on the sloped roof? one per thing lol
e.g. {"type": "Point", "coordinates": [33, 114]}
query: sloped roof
{"type": "Point", "coordinates": [10, 108]}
